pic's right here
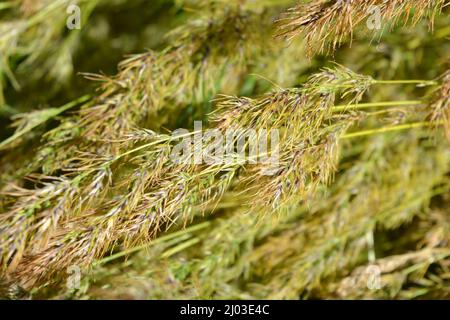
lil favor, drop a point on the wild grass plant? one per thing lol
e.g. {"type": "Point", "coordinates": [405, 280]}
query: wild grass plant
{"type": "Point", "coordinates": [356, 205]}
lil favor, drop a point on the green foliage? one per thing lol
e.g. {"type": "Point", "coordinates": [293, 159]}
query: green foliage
{"type": "Point", "coordinates": [356, 208]}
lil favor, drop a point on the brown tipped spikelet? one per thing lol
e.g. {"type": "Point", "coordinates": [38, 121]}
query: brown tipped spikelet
{"type": "Point", "coordinates": [325, 24]}
{"type": "Point", "coordinates": [215, 161]}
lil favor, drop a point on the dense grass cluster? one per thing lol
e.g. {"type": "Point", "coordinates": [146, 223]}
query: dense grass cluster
{"type": "Point", "coordinates": [357, 207]}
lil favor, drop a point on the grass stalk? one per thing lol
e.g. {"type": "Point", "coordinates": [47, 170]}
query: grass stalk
{"type": "Point", "coordinates": [376, 105]}
{"type": "Point", "coordinates": [402, 127]}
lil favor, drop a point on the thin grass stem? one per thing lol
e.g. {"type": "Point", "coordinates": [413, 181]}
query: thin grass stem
{"type": "Point", "coordinates": [376, 105]}
{"type": "Point", "coordinates": [387, 129]}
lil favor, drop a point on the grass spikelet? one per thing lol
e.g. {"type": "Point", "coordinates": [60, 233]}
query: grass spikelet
{"type": "Point", "coordinates": [294, 178]}
{"type": "Point", "coordinates": [170, 191]}
{"type": "Point", "coordinates": [298, 275]}
{"type": "Point", "coordinates": [326, 24]}
{"type": "Point", "coordinates": [440, 104]}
